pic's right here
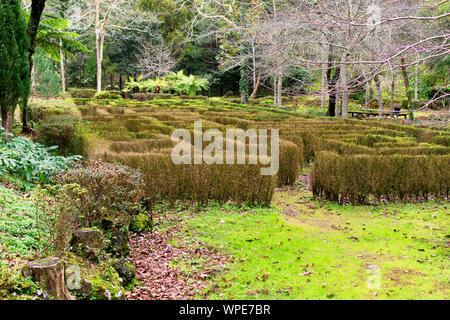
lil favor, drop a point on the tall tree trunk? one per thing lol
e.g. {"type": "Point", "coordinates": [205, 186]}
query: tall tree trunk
{"type": "Point", "coordinates": [275, 94]}
{"type": "Point", "coordinates": [62, 69]}
{"type": "Point", "coordinates": [37, 7]}
{"type": "Point", "coordinates": [325, 54]}
{"type": "Point", "coordinates": [99, 62]}
{"type": "Point", "coordinates": [392, 90]}
{"type": "Point", "coordinates": [332, 90]}
{"type": "Point", "coordinates": [406, 81]}
{"type": "Point", "coordinates": [280, 91]}
{"type": "Point", "coordinates": [379, 94]}
{"type": "Point", "coordinates": [367, 97]}
{"type": "Point", "coordinates": [344, 84]}
{"type": "Point", "coordinates": [4, 117]}
{"type": "Point", "coordinates": [99, 40]}
{"type": "Point", "coordinates": [256, 87]}
{"type": "Point", "coordinates": [9, 120]}
{"type": "Point", "coordinates": [416, 80]}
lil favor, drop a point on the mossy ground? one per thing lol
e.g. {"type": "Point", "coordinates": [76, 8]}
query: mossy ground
{"type": "Point", "coordinates": [301, 248]}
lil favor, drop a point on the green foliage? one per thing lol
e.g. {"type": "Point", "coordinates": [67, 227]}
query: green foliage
{"type": "Point", "coordinates": [57, 214]}
{"type": "Point", "coordinates": [297, 80]}
{"type": "Point", "coordinates": [14, 67]}
{"type": "Point", "coordinates": [13, 284]}
{"type": "Point", "coordinates": [442, 140]}
{"type": "Point", "coordinates": [140, 223]}
{"type": "Point", "coordinates": [108, 95]}
{"type": "Point", "coordinates": [29, 161]}
{"type": "Point", "coordinates": [19, 234]}
{"type": "Point", "coordinates": [52, 38]}
{"type": "Point", "coordinates": [173, 82]}
{"type": "Point", "coordinates": [48, 81]}
{"type": "Point", "coordinates": [64, 132]}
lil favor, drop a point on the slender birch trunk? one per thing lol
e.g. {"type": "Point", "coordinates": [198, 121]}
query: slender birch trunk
{"type": "Point", "coordinates": [416, 80]}
{"type": "Point", "coordinates": [325, 54]}
{"type": "Point", "coordinates": [61, 65]}
{"type": "Point", "coordinates": [344, 84]}
{"type": "Point", "coordinates": [392, 90]}
{"type": "Point", "coordinates": [379, 94]}
{"type": "Point", "coordinates": [367, 95]}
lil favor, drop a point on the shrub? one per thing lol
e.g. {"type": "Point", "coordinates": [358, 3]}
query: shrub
{"type": "Point", "coordinates": [30, 161]}
{"type": "Point", "coordinates": [143, 96]}
{"type": "Point", "coordinates": [82, 93]}
{"type": "Point", "coordinates": [113, 191]}
{"type": "Point", "coordinates": [56, 217]}
{"type": "Point", "coordinates": [64, 132]}
{"type": "Point", "coordinates": [82, 101]}
{"type": "Point", "coordinates": [443, 140]}
{"type": "Point", "coordinates": [140, 223]}
{"type": "Point", "coordinates": [40, 110]}
{"type": "Point", "coordinates": [404, 177]}
{"type": "Point", "coordinates": [290, 163]}
{"type": "Point", "coordinates": [108, 95]}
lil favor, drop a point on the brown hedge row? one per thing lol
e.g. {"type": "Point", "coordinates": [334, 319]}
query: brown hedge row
{"type": "Point", "coordinates": [290, 163]}
{"type": "Point", "coordinates": [398, 177]}
{"type": "Point", "coordinates": [239, 183]}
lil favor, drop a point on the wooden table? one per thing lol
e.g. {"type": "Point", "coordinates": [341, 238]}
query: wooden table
{"type": "Point", "coordinates": [376, 113]}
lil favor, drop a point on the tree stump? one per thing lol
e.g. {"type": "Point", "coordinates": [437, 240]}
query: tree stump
{"type": "Point", "coordinates": [50, 272]}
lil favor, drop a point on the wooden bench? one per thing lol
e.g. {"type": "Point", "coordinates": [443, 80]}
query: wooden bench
{"type": "Point", "coordinates": [376, 113]}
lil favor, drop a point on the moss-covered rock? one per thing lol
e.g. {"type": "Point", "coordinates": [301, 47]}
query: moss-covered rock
{"type": "Point", "coordinates": [119, 244]}
{"type": "Point", "coordinates": [126, 270]}
{"type": "Point", "coordinates": [88, 243]}
{"type": "Point", "coordinates": [140, 223]}
{"type": "Point", "coordinates": [92, 282]}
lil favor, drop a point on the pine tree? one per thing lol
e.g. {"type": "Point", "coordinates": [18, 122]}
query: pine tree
{"type": "Point", "coordinates": [14, 67]}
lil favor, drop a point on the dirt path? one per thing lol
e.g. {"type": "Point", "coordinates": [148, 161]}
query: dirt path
{"type": "Point", "coordinates": [159, 263]}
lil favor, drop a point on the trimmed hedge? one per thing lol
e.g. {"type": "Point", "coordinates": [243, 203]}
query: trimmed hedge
{"type": "Point", "coordinates": [290, 163]}
{"type": "Point", "coordinates": [399, 177]}
{"type": "Point", "coordinates": [239, 183]}
{"type": "Point", "coordinates": [64, 132]}
{"type": "Point", "coordinates": [82, 93]}
{"type": "Point", "coordinates": [443, 140]}
{"type": "Point", "coordinates": [108, 95]}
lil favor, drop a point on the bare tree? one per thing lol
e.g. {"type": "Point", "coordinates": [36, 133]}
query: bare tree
{"type": "Point", "coordinates": [155, 59]}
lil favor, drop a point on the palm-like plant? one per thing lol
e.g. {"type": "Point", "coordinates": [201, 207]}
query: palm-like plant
{"type": "Point", "coordinates": [133, 84]}
{"type": "Point", "coordinates": [177, 82]}
{"type": "Point", "coordinates": [52, 38]}
{"type": "Point", "coordinates": [192, 85]}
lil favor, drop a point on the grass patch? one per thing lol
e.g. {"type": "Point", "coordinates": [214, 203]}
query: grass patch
{"type": "Point", "coordinates": [304, 249]}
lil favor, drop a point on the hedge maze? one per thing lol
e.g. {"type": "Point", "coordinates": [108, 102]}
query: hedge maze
{"type": "Point", "coordinates": [352, 160]}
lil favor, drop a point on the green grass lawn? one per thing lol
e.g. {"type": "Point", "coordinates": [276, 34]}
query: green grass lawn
{"type": "Point", "coordinates": [304, 249]}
